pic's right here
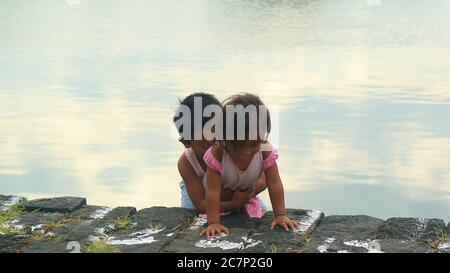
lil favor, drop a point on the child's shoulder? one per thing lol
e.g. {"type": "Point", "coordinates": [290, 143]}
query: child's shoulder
{"type": "Point", "coordinates": [268, 150]}
{"type": "Point", "coordinates": [183, 163]}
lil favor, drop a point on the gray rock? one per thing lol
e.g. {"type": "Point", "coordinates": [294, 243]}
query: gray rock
{"type": "Point", "coordinates": [279, 240]}
{"type": "Point", "coordinates": [168, 218]}
{"type": "Point", "coordinates": [151, 229]}
{"type": "Point", "coordinates": [121, 212]}
{"type": "Point", "coordinates": [413, 229]}
{"type": "Point", "coordinates": [443, 247]}
{"type": "Point", "coordinates": [238, 240]}
{"type": "Point", "coordinates": [404, 246]}
{"type": "Point", "coordinates": [11, 243]}
{"type": "Point", "coordinates": [91, 212]}
{"type": "Point", "coordinates": [85, 231]}
{"type": "Point", "coordinates": [190, 241]}
{"type": "Point", "coordinates": [50, 246]}
{"type": "Point", "coordinates": [7, 201]}
{"type": "Point", "coordinates": [106, 213]}
{"type": "Point", "coordinates": [58, 204]}
{"type": "Point", "coordinates": [148, 240]}
{"type": "Point", "coordinates": [35, 221]}
{"type": "Point", "coordinates": [341, 233]}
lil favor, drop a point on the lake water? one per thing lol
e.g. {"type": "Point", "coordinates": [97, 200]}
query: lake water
{"type": "Point", "coordinates": [87, 90]}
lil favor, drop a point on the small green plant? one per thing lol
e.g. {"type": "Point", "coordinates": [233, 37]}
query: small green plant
{"type": "Point", "coordinates": [156, 226]}
{"type": "Point", "coordinates": [59, 239]}
{"type": "Point", "coordinates": [122, 222]}
{"type": "Point", "coordinates": [187, 223]}
{"type": "Point", "coordinates": [12, 230]}
{"type": "Point", "coordinates": [100, 246]}
{"type": "Point", "coordinates": [274, 249]}
{"type": "Point", "coordinates": [52, 225]}
{"type": "Point", "coordinates": [303, 241]}
{"type": "Point", "coordinates": [37, 236]}
{"type": "Point", "coordinates": [9, 215]}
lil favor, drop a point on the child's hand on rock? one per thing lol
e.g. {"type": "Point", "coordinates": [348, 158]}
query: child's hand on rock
{"type": "Point", "coordinates": [284, 222]}
{"type": "Point", "coordinates": [214, 229]}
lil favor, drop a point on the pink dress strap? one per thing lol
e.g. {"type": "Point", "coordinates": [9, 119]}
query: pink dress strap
{"type": "Point", "coordinates": [212, 162]}
{"type": "Point", "coordinates": [192, 158]}
{"type": "Point", "coordinates": [271, 159]}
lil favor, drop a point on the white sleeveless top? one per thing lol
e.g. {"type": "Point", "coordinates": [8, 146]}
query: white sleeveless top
{"type": "Point", "coordinates": [232, 177]}
{"type": "Point", "coordinates": [192, 158]}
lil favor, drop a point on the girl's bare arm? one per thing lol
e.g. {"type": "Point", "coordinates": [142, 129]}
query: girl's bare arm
{"type": "Point", "coordinates": [276, 191]}
{"type": "Point", "coordinates": [195, 188]}
{"type": "Point", "coordinates": [213, 188]}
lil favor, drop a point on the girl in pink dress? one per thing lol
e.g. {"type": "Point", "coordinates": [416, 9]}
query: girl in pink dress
{"type": "Point", "coordinates": [238, 164]}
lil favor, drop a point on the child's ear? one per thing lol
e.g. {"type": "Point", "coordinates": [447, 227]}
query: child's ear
{"type": "Point", "coordinates": [186, 143]}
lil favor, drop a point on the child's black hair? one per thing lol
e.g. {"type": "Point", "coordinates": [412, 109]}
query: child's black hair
{"type": "Point", "coordinates": [244, 99]}
{"type": "Point", "coordinates": [207, 99]}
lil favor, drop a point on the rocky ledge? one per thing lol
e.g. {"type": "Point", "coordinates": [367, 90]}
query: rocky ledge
{"type": "Point", "coordinates": [68, 224]}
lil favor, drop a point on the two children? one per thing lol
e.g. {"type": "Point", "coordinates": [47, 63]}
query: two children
{"type": "Point", "coordinates": [227, 174]}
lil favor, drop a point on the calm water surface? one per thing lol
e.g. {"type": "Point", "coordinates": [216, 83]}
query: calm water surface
{"type": "Point", "coordinates": [363, 93]}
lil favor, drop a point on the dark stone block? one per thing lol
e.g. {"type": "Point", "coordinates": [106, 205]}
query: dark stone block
{"type": "Point", "coordinates": [11, 243]}
{"type": "Point", "coordinates": [279, 240]}
{"type": "Point", "coordinates": [85, 231]}
{"type": "Point", "coordinates": [121, 212]}
{"type": "Point", "coordinates": [50, 246]}
{"type": "Point", "coordinates": [341, 233]}
{"type": "Point", "coordinates": [149, 240]}
{"type": "Point", "coordinates": [403, 246]}
{"type": "Point", "coordinates": [58, 204]}
{"type": "Point", "coordinates": [7, 201]}
{"type": "Point", "coordinates": [161, 216]}
{"type": "Point", "coordinates": [35, 221]}
{"type": "Point", "coordinates": [190, 241]}
{"type": "Point", "coordinates": [413, 229]}
{"type": "Point", "coordinates": [91, 212]}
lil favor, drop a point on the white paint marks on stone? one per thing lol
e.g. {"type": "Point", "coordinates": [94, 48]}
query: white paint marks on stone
{"type": "Point", "coordinates": [421, 226]}
{"type": "Point", "coordinates": [13, 224]}
{"type": "Point", "coordinates": [138, 238]}
{"type": "Point", "coordinates": [5, 205]}
{"type": "Point", "coordinates": [311, 217]}
{"type": "Point", "coordinates": [37, 227]}
{"type": "Point", "coordinates": [326, 244]}
{"type": "Point", "coordinates": [217, 242]}
{"type": "Point", "coordinates": [100, 233]}
{"type": "Point", "coordinates": [250, 242]}
{"type": "Point", "coordinates": [198, 223]}
{"type": "Point", "coordinates": [100, 213]}
{"type": "Point", "coordinates": [170, 234]}
{"type": "Point", "coordinates": [372, 246]}
{"type": "Point", "coordinates": [444, 246]}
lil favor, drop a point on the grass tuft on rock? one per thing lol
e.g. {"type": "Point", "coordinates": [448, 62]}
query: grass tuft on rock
{"type": "Point", "coordinates": [122, 222]}
{"type": "Point", "coordinates": [100, 246]}
{"type": "Point", "coordinates": [9, 215]}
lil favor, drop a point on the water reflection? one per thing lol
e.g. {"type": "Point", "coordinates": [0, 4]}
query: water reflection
{"type": "Point", "coordinates": [86, 94]}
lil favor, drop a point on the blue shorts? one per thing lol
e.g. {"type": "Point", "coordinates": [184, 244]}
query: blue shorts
{"type": "Point", "coordinates": [187, 203]}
